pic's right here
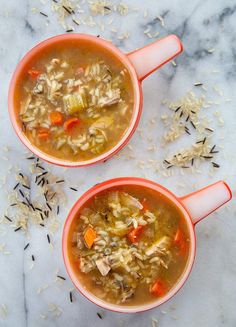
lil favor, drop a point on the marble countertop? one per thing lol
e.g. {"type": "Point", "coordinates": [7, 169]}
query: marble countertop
{"type": "Point", "coordinates": [207, 31]}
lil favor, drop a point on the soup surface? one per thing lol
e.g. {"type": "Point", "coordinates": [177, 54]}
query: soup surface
{"type": "Point", "coordinates": [129, 245]}
{"type": "Point", "coordinates": [75, 100]}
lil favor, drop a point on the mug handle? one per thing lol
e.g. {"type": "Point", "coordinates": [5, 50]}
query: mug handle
{"type": "Point", "coordinates": [151, 57]}
{"type": "Point", "coordinates": [201, 203]}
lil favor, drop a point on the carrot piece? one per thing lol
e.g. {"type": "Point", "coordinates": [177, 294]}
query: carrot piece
{"type": "Point", "coordinates": [56, 118]}
{"type": "Point", "coordinates": [34, 73]}
{"type": "Point", "coordinates": [43, 134]}
{"type": "Point", "coordinates": [135, 234]}
{"type": "Point", "coordinates": [89, 237]}
{"type": "Point", "coordinates": [145, 205]}
{"type": "Point", "coordinates": [70, 123]}
{"type": "Point", "coordinates": [158, 288]}
{"type": "Point", "coordinates": [180, 242]}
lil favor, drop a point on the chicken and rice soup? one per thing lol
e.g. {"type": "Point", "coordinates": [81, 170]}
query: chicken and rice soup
{"type": "Point", "coordinates": [75, 101]}
{"type": "Point", "coordinates": [129, 245]}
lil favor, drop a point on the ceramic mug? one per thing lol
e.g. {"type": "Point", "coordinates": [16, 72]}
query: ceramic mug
{"type": "Point", "coordinates": [194, 206]}
{"type": "Point", "coordinates": [140, 63]}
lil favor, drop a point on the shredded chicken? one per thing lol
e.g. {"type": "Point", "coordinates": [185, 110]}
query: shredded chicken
{"type": "Point", "coordinates": [160, 245]}
{"type": "Point", "coordinates": [113, 97]}
{"type": "Point", "coordinates": [103, 266]}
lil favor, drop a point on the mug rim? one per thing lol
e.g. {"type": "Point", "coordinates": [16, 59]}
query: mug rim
{"type": "Point", "coordinates": [97, 188]}
{"type": "Point", "coordinates": [137, 106]}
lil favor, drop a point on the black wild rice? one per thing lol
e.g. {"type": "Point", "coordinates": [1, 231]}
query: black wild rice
{"type": "Point", "coordinates": [15, 187]}
{"type": "Point", "coordinates": [177, 109]}
{"type": "Point", "coordinates": [21, 193]}
{"type": "Point", "coordinates": [43, 14]}
{"type": "Point", "coordinates": [18, 228]}
{"type": "Point", "coordinates": [61, 277]}
{"type": "Point", "coordinates": [99, 315]}
{"type": "Point", "coordinates": [26, 186]}
{"type": "Point", "coordinates": [73, 189]}
{"type": "Point", "coordinates": [5, 216]}
{"type": "Point", "coordinates": [71, 298]}
{"type": "Point", "coordinates": [27, 245]}
{"type": "Point", "coordinates": [60, 181]}
{"type": "Point", "coordinates": [215, 165]}
{"type": "Point", "coordinates": [48, 237]}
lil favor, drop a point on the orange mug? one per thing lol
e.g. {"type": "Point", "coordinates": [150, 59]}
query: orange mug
{"type": "Point", "coordinates": [140, 63]}
{"type": "Point", "coordinates": [194, 206]}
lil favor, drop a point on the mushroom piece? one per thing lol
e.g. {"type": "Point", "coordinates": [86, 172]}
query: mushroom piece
{"type": "Point", "coordinates": [103, 266]}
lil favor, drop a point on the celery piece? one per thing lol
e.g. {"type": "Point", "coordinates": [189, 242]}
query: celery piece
{"type": "Point", "coordinates": [74, 102]}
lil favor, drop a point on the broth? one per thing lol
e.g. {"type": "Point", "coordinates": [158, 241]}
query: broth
{"type": "Point", "coordinates": [75, 100]}
{"type": "Point", "coordinates": [129, 245]}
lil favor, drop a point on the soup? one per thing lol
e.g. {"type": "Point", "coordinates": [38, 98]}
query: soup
{"type": "Point", "coordinates": [129, 245]}
{"type": "Point", "coordinates": [75, 100]}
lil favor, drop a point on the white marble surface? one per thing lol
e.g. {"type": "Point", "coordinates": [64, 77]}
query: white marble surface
{"type": "Point", "coordinates": [209, 296]}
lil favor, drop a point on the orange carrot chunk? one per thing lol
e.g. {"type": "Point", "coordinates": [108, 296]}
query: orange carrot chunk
{"type": "Point", "coordinates": [135, 234]}
{"type": "Point", "coordinates": [89, 237]}
{"type": "Point", "coordinates": [43, 134]}
{"type": "Point", "coordinates": [34, 73]}
{"type": "Point", "coordinates": [158, 288]}
{"type": "Point", "coordinates": [70, 123]}
{"type": "Point", "coordinates": [180, 242]}
{"type": "Point", "coordinates": [56, 118]}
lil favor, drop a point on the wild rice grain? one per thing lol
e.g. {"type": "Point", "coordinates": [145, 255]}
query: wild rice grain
{"type": "Point", "coordinates": [48, 237]}
{"type": "Point", "coordinates": [26, 186]}
{"type": "Point", "coordinates": [99, 315]}
{"type": "Point", "coordinates": [60, 181]}
{"type": "Point", "coordinates": [165, 161]}
{"type": "Point", "coordinates": [8, 218]}
{"type": "Point", "coordinates": [209, 129]}
{"type": "Point", "coordinates": [18, 228]}
{"type": "Point", "coordinates": [40, 167]}
{"type": "Point", "coordinates": [68, 10]}
{"type": "Point", "coordinates": [71, 297]}
{"type": "Point", "coordinates": [75, 21]}
{"type": "Point", "coordinates": [61, 277]}
{"type": "Point", "coordinates": [215, 165]}
{"type": "Point", "coordinates": [43, 14]}
{"type": "Point", "coordinates": [15, 187]}
{"type": "Point", "coordinates": [27, 245]}
{"type": "Point", "coordinates": [73, 189]}
{"type": "Point", "coordinates": [177, 109]}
